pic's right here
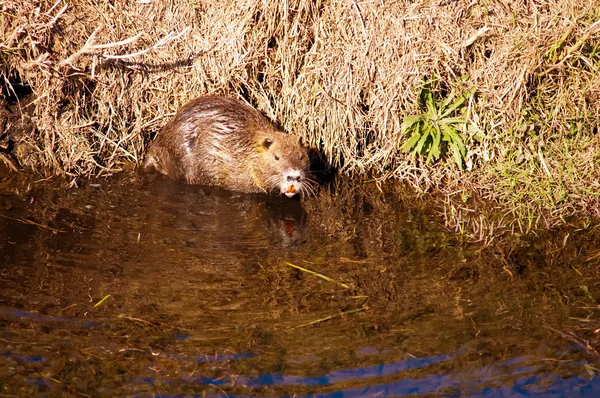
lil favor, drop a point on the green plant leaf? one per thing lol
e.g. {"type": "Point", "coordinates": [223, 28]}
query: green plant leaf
{"type": "Point", "coordinates": [455, 139]}
{"type": "Point", "coordinates": [459, 101]}
{"type": "Point", "coordinates": [424, 97]}
{"type": "Point", "coordinates": [435, 150]}
{"type": "Point", "coordinates": [410, 142]}
{"type": "Point", "coordinates": [409, 121]}
{"type": "Point", "coordinates": [422, 141]}
{"type": "Point", "coordinates": [452, 120]}
{"type": "Point", "coordinates": [458, 158]}
{"type": "Point", "coordinates": [430, 104]}
{"type": "Point", "coordinates": [447, 101]}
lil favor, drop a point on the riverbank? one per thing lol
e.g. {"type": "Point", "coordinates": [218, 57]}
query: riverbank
{"type": "Point", "coordinates": [494, 101]}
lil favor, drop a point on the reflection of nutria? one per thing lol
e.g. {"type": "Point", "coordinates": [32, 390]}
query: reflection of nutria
{"type": "Point", "coordinates": [221, 141]}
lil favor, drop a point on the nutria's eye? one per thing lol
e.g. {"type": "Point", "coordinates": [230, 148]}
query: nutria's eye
{"type": "Point", "coordinates": [276, 157]}
{"type": "Point", "coordinates": [267, 143]}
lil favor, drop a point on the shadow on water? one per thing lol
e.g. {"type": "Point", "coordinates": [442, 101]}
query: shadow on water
{"type": "Point", "coordinates": [141, 286]}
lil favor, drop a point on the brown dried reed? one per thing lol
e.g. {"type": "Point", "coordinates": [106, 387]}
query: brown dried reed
{"type": "Point", "coordinates": [107, 74]}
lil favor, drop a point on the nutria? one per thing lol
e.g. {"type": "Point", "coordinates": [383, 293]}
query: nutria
{"type": "Point", "coordinates": [221, 141]}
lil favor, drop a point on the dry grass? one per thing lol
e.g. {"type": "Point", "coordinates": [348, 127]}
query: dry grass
{"type": "Point", "coordinates": [106, 75]}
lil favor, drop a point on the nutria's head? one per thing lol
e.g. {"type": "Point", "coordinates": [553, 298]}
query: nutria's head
{"type": "Point", "coordinates": [283, 164]}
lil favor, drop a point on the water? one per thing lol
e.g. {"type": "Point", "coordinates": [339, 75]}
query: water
{"type": "Point", "coordinates": [139, 286]}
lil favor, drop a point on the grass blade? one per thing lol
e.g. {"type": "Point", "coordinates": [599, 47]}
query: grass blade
{"type": "Point", "coordinates": [324, 277]}
{"type": "Point", "coordinates": [327, 318]}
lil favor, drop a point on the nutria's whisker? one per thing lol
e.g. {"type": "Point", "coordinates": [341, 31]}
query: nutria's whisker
{"type": "Point", "coordinates": [303, 191]}
{"type": "Point", "coordinates": [273, 180]}
{"type": "Point", "coordinates": [309, 183]}
{"type": "Point", "coordinates": [310, 180]}
{"type": "Point", "coordinates": [308, 187]}
{"type": "Point", "coordinates": [273, 183]}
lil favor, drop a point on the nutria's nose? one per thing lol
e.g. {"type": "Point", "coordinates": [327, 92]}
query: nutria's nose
{"type": "Point", "coordinates": [293, 178]}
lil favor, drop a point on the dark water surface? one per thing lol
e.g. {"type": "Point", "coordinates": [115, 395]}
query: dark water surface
{"type": "Point", "coordinates": [200, 297]}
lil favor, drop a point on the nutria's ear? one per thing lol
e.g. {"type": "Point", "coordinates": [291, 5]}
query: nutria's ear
{"type": "Point", "coordinates": [302, 142]}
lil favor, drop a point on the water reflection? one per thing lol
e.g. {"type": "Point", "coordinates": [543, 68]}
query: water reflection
{"type": "Point", "coordinates": [138, 286]}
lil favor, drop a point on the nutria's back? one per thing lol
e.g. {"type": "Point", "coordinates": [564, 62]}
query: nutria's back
{"type": "Point", "coordinates": [221, 141]}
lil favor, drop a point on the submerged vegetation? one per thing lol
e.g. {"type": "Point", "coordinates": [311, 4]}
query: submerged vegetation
{"type": "Point", "coordinates": [515, 104]}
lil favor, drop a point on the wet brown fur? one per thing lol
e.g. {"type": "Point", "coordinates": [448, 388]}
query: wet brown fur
{"type": "Point", "coordinates": [221, 141]}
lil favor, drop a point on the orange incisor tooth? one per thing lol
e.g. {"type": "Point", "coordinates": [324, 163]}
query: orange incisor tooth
{"type": "Point", "coordinates": [291, 189]}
